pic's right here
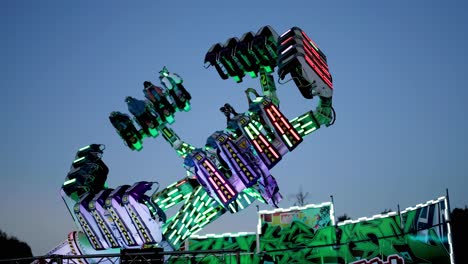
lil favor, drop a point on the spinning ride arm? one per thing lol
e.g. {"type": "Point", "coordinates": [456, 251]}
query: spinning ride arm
{"type": "Point", "coordinates": [228, 174]}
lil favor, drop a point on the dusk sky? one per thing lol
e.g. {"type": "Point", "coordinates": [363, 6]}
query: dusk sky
{"type": "Point", "coordinates": [399, 70]}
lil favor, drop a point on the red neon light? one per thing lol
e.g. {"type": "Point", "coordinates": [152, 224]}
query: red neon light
{"type": "Point", "coordinates": [274, 153]}
{"type": "Point", "coordinates": [258, 147]}
{"type": "Point", "coordinates": [269, 146]}
{"type": "Point", "coordinates": [285, 123]}
{"type": "Point", "coordinates": [308, 39]}
{"type": "Point", "coordinates": [319, 73]}
{"type": "Point", "coordinates": [288, 39]}
{"type": "Point", "coordinates": [313, 51]}
{"type": "Point", "coordinates": [217, 190]}
{"type": "Point", "coordinates": [180, 183]}
{"type": "Point", "coordinates": [219, 177]}
{"type": "Point", "coordinates": [274, 122]}
{"type": "Point", "coordinates": [314, 56]}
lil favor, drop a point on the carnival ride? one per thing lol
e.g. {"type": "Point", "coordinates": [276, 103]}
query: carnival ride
{"type": "Point", "coordinates": [228, 174]}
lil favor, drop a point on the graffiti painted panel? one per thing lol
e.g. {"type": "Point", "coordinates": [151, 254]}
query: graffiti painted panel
{"type": "Point", "coordinates": [307, 235]}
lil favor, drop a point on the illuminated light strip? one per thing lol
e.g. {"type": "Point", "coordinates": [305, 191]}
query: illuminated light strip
{"type": "Point", "coordinates": [197, 191]}
{"type": "Point", "coordinates": [310, 40]}
{"type": "Point", "coordinates": [177, 239]}
{"type": "Point", "coordinates": [287, 140]}
{"type": "Point", "coordinates": [208, 210]}
{"type": "Point", "coordinates": [196, 200]}
{"type": "Point", "coordinates": [177, 197]}
{"type": "Point", "coordinates": [171, 192]}
{"type": "Point", "coordinates": [78, 160]}
{"type": "Point", "coordinates": [189, 222]}
{"type": "Point", "coordinates": [212, 215]}
{"type": "Point", "coordinates": [285, 33]}
{"type": "Point", "coordinates": [173, 233]}
{"type": "Point", "coordinates": [274, 121]}
{"type": "Point", "coordinates": [308, 123]}
{"type": "Point", "coordinates": [248, 133]}
{"type": "Point", "coordinates": [258, 147]}
{"type": "Point", "coordinates": [220, 178]}
{"type": "Point", "coordinates": [185, 234]}
{"type": "Point", "coordinates": [214, 184]}
{"type": "Point", "coordinates": [313, 44]}
{"type": "Point", "coordinates": [83, 148]}
{"type": "Point", "coordinates": [203, 196]}
{"type": "Point", "coordinates": [269, 147]}
{"type": "Point", "coordinates": [182, 226]}
{"type": "Point", "coordinates": [224, 235]}
{"type": "Point", "coordinates": [285, 41]}
{"type": "Point", "coordinates": [292, 131]}
{"type": "Point", "coordinates": [175, 223]}
{"type": "Point", "coordinates": [185, 217]}
{"type": "Point", "coordinates": [247, 198]}
{"type": "Point", "coordinates": [69, 181]}
{"type": "Point", "coordinates": [170, 204]}
{"type": "Point", "coordinates": [311, 63]}
{"type": "Point", "coordinates": [232, 208]}
{"type": "Point", "coordinates": [165, 200]}
{"type": "Point", "coordinates": [310, 130]}
{"type": "Point", "coordinates": [180, 183]}
{"type": "Point", "coordinates": [321, 70]}
{"type": "Point", "coordinates": [313, 53]}
{"type": "Point", "coordinates": [240, 204]}
{"type": "Point", "coordinates": [200, 206]}
{"type": "Point", "coordinates": [286, 50]}
{"type": "Point", "coordinates": [254, 129]}
{"type": "Point", "coordinates": [449, 231]}
{"type": "Point", "coordinates": [285, 122]}
{"type": "Point", "coordinates": [428, 203]}
{"type": "Point", "coordinates": [191, 213]}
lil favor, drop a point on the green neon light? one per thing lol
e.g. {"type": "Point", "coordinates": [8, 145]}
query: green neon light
{"type": "Point", "coordinates": [153, 132]}
{"type": "Point", "coordinates": [137, 146]}
{"type": "Point", "coordinates": [240, 204]}
{"type": "Point", "coordinates": [208, 210]}
{"type": "Point", "coordinates": [172, 192]}
{"type": "Point", "coordinates": [308, 123]}
{"type": "Point", "coordinates": [249, 133]}
{"type": "Point", "coordinates": [247, 198]}
{"type": "Point", "coordinates": [173, 233]}
{"type": "Point", "coordinates": [254, 129]}
{"type": "Point", "coordinates": [310, 130]}
{"type": "Point", "coordinates": [175, 223]}
{"type": "Point", "coordinates": [187, 107]}
{"type": "Point", "coordinates": [165, 200]}
{"type": "Point", "coordinates": [303, 117]}
{"type": "Point", "coordinates": [185, 217]}
{"type": "Point", "coordinates": [287, 141]}
{"type": "Point", "coordinates": [190, 221]}
{"type": "Point", "coordinates": [200, 206]}
{"type": "Point", "coordinates": [232, 208]}
{"type": "Point", "coordinates": [78, 160]}
{"type": "Point", "coordinates": [177, 197]}
{"type": "Point", "coordinates": [84, 148]}
{"type": "Point", "coordinates": [69, 182]}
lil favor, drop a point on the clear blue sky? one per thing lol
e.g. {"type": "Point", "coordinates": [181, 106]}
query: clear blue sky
{"type": "Point", "coordinates": [399, 70]}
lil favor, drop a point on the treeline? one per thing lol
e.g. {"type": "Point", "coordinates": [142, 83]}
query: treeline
{"type": "Point", "coordinates": [11, 247]}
